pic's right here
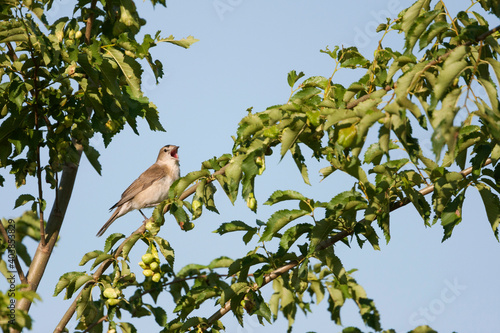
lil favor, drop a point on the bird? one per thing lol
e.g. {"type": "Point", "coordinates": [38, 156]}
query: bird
{"type": "Point", "coordinates": [150, 188]}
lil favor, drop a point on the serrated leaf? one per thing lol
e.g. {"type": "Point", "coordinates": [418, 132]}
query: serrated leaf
{"type": "Point", "coordinates": [235, 289]}
{"type": "Point", "coordinates": [220, 262]}
{"type": "Point", "coordinates": [328, 257]}
{"type": "Point", "coordinates": [291, 134]}
{"type": "Point", "coordinates": [452, 67]}
{"type": "Point", "coordinates": [279, 196]}
{"type": "Point", "coordinates": [299, 160]}
{"type": "Point", "coordinates": [293, 77]}
{"type": "Point", "coordinates": [23, 199]}
{"type": "Point", "coordinates": [492, 205]}
{"type": "Point", "coordinates": [89, 256]}
{"type": "Point", "coordinates": [452, 215]}
{"type": "Point", "coordinates": [233, 226]}
{"type": "Point", "coordinates": [184, 42]}
{"type": "Point", "coordinates": [130, 69]}
{"type": "Point", "coordinates": [93, 157]}
{"type": "Point", "coordinates": [180, 185]}
{"type": "Point", "coordinates": [291, 235]}
{"type": "Point", "coordinates": [165, 249]}
{"type": "Point", "coordinates": [100, 258]}
{"type": "Point", "coordinates": [110, 241]}
{"type": "Point", "coordinates": [316, 81]}
{"type": "Point", "coordinates": [127, 327]}
{"type": "Point", "coordinates": [159, 314]}
{"type": "Point", "coordinates": [81, 280]}
{"type": "Point", "coordinates": [129, 243]}
{"type": "Point", "coordinates": [280, 219]}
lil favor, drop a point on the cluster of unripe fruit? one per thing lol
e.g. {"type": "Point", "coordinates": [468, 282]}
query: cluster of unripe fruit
{"type": "Point", "coordinates": [151, 265]}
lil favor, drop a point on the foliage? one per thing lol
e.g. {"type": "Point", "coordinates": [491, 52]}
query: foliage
{"type": "Point", "coordinates": [443, 81]}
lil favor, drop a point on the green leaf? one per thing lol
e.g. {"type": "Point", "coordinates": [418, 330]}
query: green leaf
{"type": "Point", "coordinates": [452, 215]}
{"type": "Point", "coordinates": [452, 67]}
{"type": "Point", "coordinates": [93, 156]}
{"type": "Point", "coordinates": [293, 77]}
{"type": "Point", "coordinates": [220, 262]}
{"type": "Point", "coordinates": [184, 42]}
{"type": "Point", "coordinates": [233, 226]}
{"type": "Point", "coordinates": [89, 256]}
{"type": "Point", "coordinates": [280, 219]}
{"type": "Point", "coordinates": [320, 232]}
{"type": "Point", "coordinates": [299, 160]}
{"type": "Point", "coordinates": [423, 329]}
{"type": "Point", "coordinates": [129, 243]}
{"type": "Point", "coordinates": [130, 69]}
{"type": "Point", "coordinates": [279, 196]}
{"type": "Point", "coordinates": [23, 199]}
{"type": "Point", "coordinates": [180, 185]}
{"type": "Point", "coordinates": [411, 14]}
{"type": "Point", "coordinates": [127, 327]}
{"type": "Point", "coordinates": [419, 27]}
{"type": "Point", "coordinates": [69, 281]}
{"type": "Point", "coordinates": [492, 205]}
{"type": "Point", "coordinates": [100, 258]}
{"type": "Point", "coordinates": [177, 210]}
{"type": "Point", "coordinates": [238, 288]}
{"type": "Point", "coordinates": [111, 240]}
{"type": "Point", "coordinates": [328, 257]}
{"type": "Point", "coordinates": [159, 314]}
{"type": "Point", "coordinates": [291, 235]}
{"type": "Point", "coordinates": [291, 134]}
{"type": "Point", "coordinates": [165, 249]}
{"type": "Point", "coordinates": [305, 94]}
{"type": "Point", "coordinates": [316, 81]}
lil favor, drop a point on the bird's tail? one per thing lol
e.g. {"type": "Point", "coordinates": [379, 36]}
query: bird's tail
{"type": "Point", "coordinates": [108, 223]}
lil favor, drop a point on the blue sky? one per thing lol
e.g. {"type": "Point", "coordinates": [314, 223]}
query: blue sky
{"type": "Point", "coordinates": [245, 51]}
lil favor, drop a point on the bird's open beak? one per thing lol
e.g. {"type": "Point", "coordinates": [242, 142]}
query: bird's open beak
{"type": "Point", "coordinates": [173, 153]}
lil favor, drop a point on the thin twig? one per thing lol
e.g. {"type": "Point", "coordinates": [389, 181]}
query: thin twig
{"type": "Point", "coordinates": [105, 264]}
{"type": "Point", "coordinates": [321, 246]}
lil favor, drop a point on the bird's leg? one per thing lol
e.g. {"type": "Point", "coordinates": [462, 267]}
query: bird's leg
{"type": "Point", "coordinates": [145, 218]}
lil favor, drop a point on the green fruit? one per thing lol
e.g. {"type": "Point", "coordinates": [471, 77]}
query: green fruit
{"type": "Point", "coordinates": [110, 293]}
{"type": "Point", "coordinates": [143, 265]}
{"type": "Point", "coordinates": [251, 202]}
{"type": "Point", "coordinates": [148, 258]}
{"type": "Point", "coordinates": [156, 277]}
{"type": "Point", "coordinates": [78, 34]}
{"type": "Point", "coordinates": [148, 272]}
{"type": "Point", "coordinates": [112, 301]}
{"type": "Point", "coordinates": [154, 266]}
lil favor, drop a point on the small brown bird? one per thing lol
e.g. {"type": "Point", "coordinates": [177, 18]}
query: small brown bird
{"type": "Point", "coordinates": [150, 188]}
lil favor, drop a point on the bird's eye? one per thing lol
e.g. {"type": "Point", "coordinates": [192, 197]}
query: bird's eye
{"type": "Point", "coordinates": [165, 150]}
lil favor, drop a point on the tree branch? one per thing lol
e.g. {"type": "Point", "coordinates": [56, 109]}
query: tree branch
{"type": "Point", "coordinates": [19, 269]}
{"type": "Point", "coordinates": [42, 254]}
{"type": "Point", "coordinates": [105, 264]}
{"type": "Point", "coordinates": [323, 245]}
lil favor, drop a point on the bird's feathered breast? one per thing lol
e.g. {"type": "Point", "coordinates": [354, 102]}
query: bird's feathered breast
{"type": "Point", "coordinates": [153, 174]}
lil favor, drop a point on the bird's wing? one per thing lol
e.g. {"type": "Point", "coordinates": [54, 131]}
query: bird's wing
{"type": "Point", "coordinates": [148, 177]}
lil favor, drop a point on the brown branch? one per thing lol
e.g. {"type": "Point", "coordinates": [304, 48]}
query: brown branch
{"type": "Point", "coordinates": [323, 245]}
{"type": "Point", "coordinates": [42, 254]}
{"type": "Point", "coordinates": [90, 22]}
{"type": "Point", "coordinates": [353, 104]}
{"type": "Point", "coordinates": [482, 37]}
{"type": "Point", "coordinates": [19, 269]}
{"type": "Point", "coordinates": [105, 264]}
{"type": "Point", "coordinates": [103, 318]}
